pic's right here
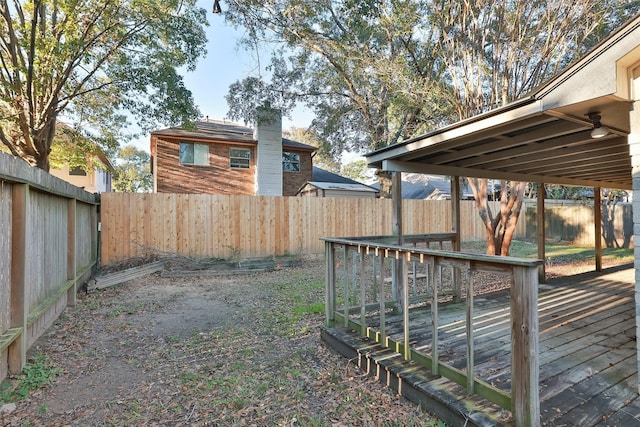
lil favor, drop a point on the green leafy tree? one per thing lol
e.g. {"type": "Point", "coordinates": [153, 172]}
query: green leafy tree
{"type": "Point", "coordinates": [325, 156]}
{"type": "Point", "coordinates": [91, 61]}
{"type": "Point", "coordinates": [133, 171]}
{"type": "Point", "coordinates": [369, 70]}
{"type": "Point", "coordinates": [356, 170]}
{"type": "Point", "coordinates": [74, 150]}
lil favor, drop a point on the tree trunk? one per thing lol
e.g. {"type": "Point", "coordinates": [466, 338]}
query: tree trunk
{"type": "Point", "coordinates": [481, 197]}
{"type": "Point", "coordinates": [501, 228]}
{"type": "Point", "coordinates": [514, 208]}
{"type": "Point", "coordinates": [385, 183]}
{"type": "Point", "coordinates": [41, 141]}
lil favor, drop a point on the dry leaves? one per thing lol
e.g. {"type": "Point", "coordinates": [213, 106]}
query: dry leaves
{"type": "Point", "coordinates": [237, 350]}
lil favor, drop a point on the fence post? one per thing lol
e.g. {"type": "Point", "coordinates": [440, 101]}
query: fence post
{"type": "Point", "coordinates": [17, 355]}
{"type": "Point", "coordinates": [71, 251]}
{"type": "Point", "coordinates": [525, 369]}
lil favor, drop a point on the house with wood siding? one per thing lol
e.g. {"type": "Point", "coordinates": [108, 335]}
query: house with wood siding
{"type": "Point", "coordinates": [219, 157]}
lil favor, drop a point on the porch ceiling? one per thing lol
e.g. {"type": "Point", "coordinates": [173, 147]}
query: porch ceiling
{"type": "Point", "coordinates": [526, 143]}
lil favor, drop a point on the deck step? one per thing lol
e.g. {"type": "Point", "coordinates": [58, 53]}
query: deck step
{"type": "Point", "coordinates": [437, 395]}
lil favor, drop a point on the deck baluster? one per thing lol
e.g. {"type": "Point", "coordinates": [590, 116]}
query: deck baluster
{"type": "Point", "coordinates": [470, 337]}
{"type": "Point", "coordinates": [374, 286]}
{"type": "Point", "coordinates": [404, 262]}
{"type": "Point", "coordinates": [522, 399]}
{"type": "Point", "coordinates": [363, 299]}
{"type": "Point", "coordinates": [347, 295]}
{"type": "Point", "coordinates": [437, 277]}
{"type": "Point", "coordinates": [383, 308]}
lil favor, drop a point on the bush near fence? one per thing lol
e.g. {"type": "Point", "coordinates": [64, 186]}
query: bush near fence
{"type": "Point", "coordinates": [223, 226]}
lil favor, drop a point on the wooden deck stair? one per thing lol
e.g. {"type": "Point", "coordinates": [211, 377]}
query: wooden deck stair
{"type": "Point", "coordinates": [444, 398]}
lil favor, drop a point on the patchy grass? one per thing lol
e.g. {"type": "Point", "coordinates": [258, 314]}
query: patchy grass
{"type": "Point", "coordinates": [36, 374]}
{"type": "Point", "coordinates": [557, 252]}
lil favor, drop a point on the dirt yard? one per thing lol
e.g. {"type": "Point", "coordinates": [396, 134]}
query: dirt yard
{"type": "Point", "coordinates": [230, 350]}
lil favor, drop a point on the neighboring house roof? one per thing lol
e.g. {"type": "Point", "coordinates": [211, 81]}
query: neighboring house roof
{"type": "Point", "coordinates": [105, 161]}
{"type": "Point", "coordinates": [218, 130]}
{"type": "Point", "coordinates": [325, 180]}
{"type": "Point", "coordinates": [342, 186]}
{"type": "Point", "coordinates": [423, 187]}
{"type": "Point", "coordinates": [321, 175]}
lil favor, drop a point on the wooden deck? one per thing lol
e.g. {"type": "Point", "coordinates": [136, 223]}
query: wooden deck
{"type": "Point", "coordinates": [587, 342]}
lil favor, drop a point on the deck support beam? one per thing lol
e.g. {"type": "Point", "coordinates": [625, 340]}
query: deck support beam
{"type": "Point", "coordinates": [634, 150]}
{"type": "Point", "coordinates": [397, 265]}
{"type": "Point", "coordinates": [540, 232]}
{"type": "Point", "coordinates": [597, 225]}
{"type": "Point", "coordinates": [455, 225]}
{"type": "Point", "coordinates": [524, 347]}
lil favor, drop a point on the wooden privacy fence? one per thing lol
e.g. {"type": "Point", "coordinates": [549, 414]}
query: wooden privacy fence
{"type": "Point", "coordinates": [48, 246]}
{"type": "Point", "coordinates": [223, 226]}
{"type": "Point", "coordinates": [573, 222]}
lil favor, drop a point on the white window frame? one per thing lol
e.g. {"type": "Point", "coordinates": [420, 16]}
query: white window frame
{"type": "Point", "coordinates": [239, 158]}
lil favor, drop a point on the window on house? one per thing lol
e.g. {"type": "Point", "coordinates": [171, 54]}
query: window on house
{"type": "Point", "coordinates": [290, 162]}
{"type": "Point", "coordinates": [194, 154]}
{"type": "Point", "coordinates": [77, 171]}
{"type": "Point", "coordinates": [239, 158]}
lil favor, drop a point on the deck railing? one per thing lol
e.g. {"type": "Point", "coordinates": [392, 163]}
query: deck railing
{"type": "Point", "coordinates": [370, 279]}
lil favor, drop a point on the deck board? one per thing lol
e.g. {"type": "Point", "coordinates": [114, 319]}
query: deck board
{"type": "Point", "coordinates": [587, 342]}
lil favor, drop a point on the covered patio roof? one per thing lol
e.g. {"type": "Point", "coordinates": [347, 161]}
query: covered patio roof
{"type": "Point", "coordinates": [545, 137]}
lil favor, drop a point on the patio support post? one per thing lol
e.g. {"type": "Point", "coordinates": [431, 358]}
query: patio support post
{"type": "Point", "coordinates": [398, 263]}
{"type": "Point", "coordinates": [455, 225]}
{"type": "Point", "coordinates": [525, 369]}
{"type": "Point", "coordinates": [455, 211]}
{"type": "Point", "coordinates": [396, 199]}
{"type": "Point", "coordinates": [597, 224]}
{"type": "Point", "coordinates": [634, 150]}
{"type": "Point", "coordinates": [540, 233]}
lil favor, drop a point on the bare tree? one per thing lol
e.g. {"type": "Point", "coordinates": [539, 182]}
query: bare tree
{"type": "Point", "coordinates": [495, 52]}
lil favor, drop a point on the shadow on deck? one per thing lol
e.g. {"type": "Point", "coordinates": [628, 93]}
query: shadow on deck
{"type": "Point", "coordinates": [587, 353]}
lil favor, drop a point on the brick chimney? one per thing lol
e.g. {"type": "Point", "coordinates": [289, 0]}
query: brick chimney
{"type": "Point", "coordinates": [268, 133]}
